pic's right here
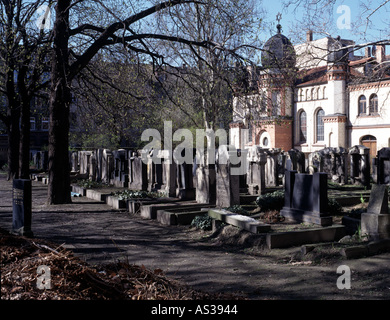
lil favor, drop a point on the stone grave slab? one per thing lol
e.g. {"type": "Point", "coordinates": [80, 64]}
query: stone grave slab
{"type": "Point", "coordinates": [239, 220]}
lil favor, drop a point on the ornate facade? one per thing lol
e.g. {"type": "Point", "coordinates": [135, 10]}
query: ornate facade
{"type": "Point", "coordinates": [314, 95]}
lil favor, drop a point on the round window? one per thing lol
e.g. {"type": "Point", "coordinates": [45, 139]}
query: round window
{"type": "Point", "coordinates": [265, 142]}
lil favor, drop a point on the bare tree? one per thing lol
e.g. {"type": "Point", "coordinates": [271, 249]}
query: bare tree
{"type": "Point", "coordinates": [129, 29]}
{"type": "Point", "coordinates": [23, 49]}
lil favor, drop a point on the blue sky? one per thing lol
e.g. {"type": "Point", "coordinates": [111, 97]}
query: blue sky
{"type": "Point", "coordinates": [360, 31]}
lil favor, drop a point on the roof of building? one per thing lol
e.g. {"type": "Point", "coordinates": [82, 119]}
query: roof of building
{"type": "Point", "coordinates": [278, 52]}
{"type": "Point", "coordinates": [312, 76]}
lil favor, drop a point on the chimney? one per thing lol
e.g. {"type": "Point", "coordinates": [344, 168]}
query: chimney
{"type": "Point", "coordinates": [309, 36]}
{"type": "Point", "coordinates": [380, 53]}
{"type": "Point", "coordinates": [368, 52]}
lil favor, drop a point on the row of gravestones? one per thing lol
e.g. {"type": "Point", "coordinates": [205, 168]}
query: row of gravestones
{"type": "Point", "coordinates": [338, 162]}
{"type": "Point", "coordinates": [124, 168]}
{"type": "Point", "coordinates": [214, 183]}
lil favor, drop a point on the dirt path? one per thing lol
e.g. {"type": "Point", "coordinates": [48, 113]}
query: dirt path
{"type": "Point", "coordinates": [98, 234]}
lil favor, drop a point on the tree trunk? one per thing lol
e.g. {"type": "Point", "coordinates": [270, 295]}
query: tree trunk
{"type": "Point", "coordinates": [13, 143]}
{"type": "Point", "coordinates": [24, 148]}
{"type": "Point", "coordinates": [60, 100]}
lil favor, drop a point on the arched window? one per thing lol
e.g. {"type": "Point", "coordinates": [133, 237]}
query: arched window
{"type": "Point", "coordinates": [307, 95]}
{"type": "Point", "coordinates": [324, 93]}
{"type": "Point", "coordinates": [302, 127]}
{"type": "Point", "coordinates": [318, 93]}
{"type": "Point", "coordinates": [301, 95]}
{"type": "Point", "coordinates": [373, 104]}
{"type": "Point", "coordinates": [362, 105]}
{"type": "Point", "coordinates": [312, 94]}
{"type": "Point", "coordinates": [320, 125]}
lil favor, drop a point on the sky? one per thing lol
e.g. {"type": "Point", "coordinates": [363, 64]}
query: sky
{"type": "Point", "coordinates": [337, 20]}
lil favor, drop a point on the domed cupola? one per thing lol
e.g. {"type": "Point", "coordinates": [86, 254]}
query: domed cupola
{"type": "Point", "coordinates": [278, 52]}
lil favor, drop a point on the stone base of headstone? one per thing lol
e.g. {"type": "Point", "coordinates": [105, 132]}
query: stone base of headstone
{"type": "Point", "coordinates": [186, 194]}
{"type": "Point", "coordinates": [375, 226]}
{"type": "Point", "coordinates": [296, 215]}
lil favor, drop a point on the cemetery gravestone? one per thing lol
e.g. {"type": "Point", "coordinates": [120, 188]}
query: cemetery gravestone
{"type": "Point", "coordinates": [227, 184]}
{"type": "Point", "coordinates": [383, 166]}
{"type": "Point", "coordinates": [185, 180]}
{"type": "Point", "coordinates": [138, 179]}
{"type": "Point", "coordinates": [297, 160]}
{"type": "Point", "coordinates": [375, 223]}
{"type": "Point", "coordinates": [168, 166]}
{"type": "Point", "coordinates": [107, 165]}
{"type": "Point", "coordinates": [22, 207]}
{"type": "Point", "coordinates": [272, 170]}
{"type": "Point", "coordinates": [332, 161]}
{"type": "Point", "coordinates": [306, 198]}
{"type": "Point", "coordinates": [257, 159]}
{"type": "Point", "coordinates": [75, 161]}
{"type": "Point", "coordinates": [205, 180]}
{"type": "Point", "coordinates": [360, 165]}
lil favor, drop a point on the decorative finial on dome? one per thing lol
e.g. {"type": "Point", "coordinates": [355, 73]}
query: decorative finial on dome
{"type": "Point", "coordinates": [279, 18]}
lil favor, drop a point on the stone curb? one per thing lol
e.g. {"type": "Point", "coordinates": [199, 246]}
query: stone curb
{"type": "Point", "coordinates": [370, 249]}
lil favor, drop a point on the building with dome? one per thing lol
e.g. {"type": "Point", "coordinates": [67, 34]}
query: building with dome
{"type": "Point", "coordinates": [314, 95]}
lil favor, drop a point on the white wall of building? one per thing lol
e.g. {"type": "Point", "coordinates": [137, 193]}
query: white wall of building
{"type": "Point", "coordinates": [377, 125]}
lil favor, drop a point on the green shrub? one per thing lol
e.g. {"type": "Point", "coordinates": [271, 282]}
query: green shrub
{"type": "Point", "coordinates": [238, 209]}
{"type": "Point", "coordinates": [271, 201]}
{"type": "Point", "coordinates": [275, 201]}
{"type": "Point", "coordinates": [202, 222]}
{"type": "Point", "coordinates": [88, 184]}
{"type": "Point", "coordinates": [132, 194]}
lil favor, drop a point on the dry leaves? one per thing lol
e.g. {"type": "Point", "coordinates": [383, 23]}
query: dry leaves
{"type": "Point", "coordinates": [73, 279]}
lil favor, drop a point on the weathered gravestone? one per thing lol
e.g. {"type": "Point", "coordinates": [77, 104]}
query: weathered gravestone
{"type": "Point", "coordinates": [297, 158]}
{"type": "Point", "coordinates": [22, 207]}
{"type": "Point", "coordinates": [75, 161]}
{"type": "Point", "coordinates": [92, 166]}
{"type": "Point", "coordinates": [185, 177]}
{"type": "Point", "coordinates": [306, 198]}
{"type": "Point", "coordinates": [332, 161]}
{"type": "Point", "coordinates": [375, 223]}
{"type": "Point", "coordinates": [99, 164]}
{"type": "Point", "coordinates": [257, 159]}
{"type": "Point", "coordinates": [119, 176]}
{"type": "Point", "coordinates": [107, 165]}
{"type": "Point", "coordinates": [227, 183]}
{"type": "Point", "coordinates": [84, 157]}
{"type": "Point", "coordinates": [272, 167]}
{"type": "Point", "coordinates": [168, 166]}
{"type": "Point", "coordinates": [383, 166]}
{"type": "Point", "coordinates": [205, 179]}
{"type": "Point", "coordinates": [360, 165]}
{"type": "Point", "coordinates": [138, 172]}
{"type": "Point", "coordinates": [154, 169]}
